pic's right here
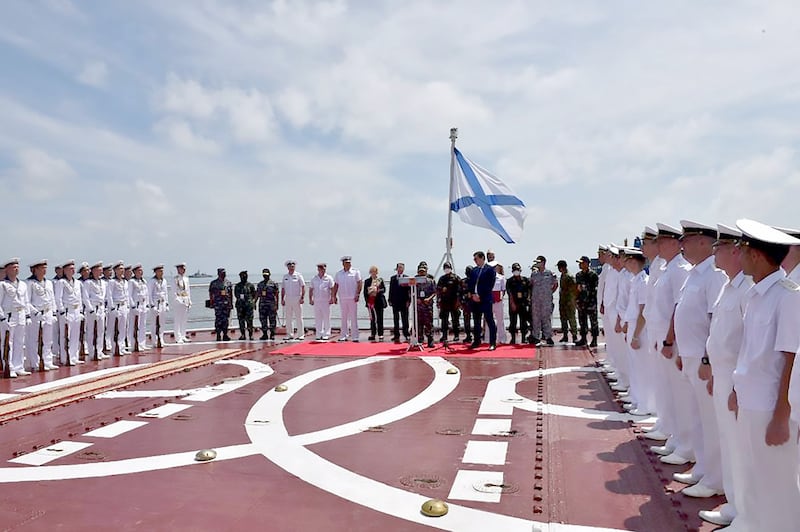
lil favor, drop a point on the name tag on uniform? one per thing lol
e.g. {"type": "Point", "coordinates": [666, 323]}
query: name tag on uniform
{"type": "Point", "coordinates": [519, 295]}
{"type": "Point", "coordinates": [422, 293]}
{"type": "Point", "coordinates": [263, 293]}
{"type": "Point", "coordinates": [223, 293]}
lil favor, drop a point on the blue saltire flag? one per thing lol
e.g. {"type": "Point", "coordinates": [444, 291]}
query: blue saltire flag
{"type": "Point", "coordinates": [481, 199]}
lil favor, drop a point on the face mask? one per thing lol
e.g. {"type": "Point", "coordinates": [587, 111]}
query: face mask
{"type": "Point", "coordinates": [448, 270]}
{"type": "Point", "coordinates": [516, 273]}
{"type": "Point", "coordinates": [266, 276]}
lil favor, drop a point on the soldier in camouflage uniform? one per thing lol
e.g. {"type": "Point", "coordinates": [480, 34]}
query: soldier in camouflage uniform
{"type": "Point", "coordinates": [465, 297]}
{"type": "Point", "coordinates": [426, 292]}
{"type": "Point", "coordinates": [267, 293]}
{"type": "Point", "coordinates": [518, 289]}
{"type": "Point", "coordinates": [566, 303]}
{"type": "Point", "coordinates": [220, 292]}
{"type": "Point", "coordinates": [447, 291]}
{"type": "Point", "coordinates": [586, 281]}
{"type": "Point", "coordinates": [245, 294]}
{"type": "Point", "coordinates": [543, 284]}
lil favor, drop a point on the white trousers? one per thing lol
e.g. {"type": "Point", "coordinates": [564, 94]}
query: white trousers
{"type": "Point", "coordinates": [70, 342]}
{"type": "Point", "coordinates": [155, 337]}
{"type": "Point", "coordinates": [685, 409]}
{"type": "Point", "coordinates": [141, 332]}
{"type": "Point", "coordinates": [95, 321]}
{"type": "Point", "coordinates": [349, 311]}
{"type": "Point", "coordinates": [642, 388]}
{"type": "Point", "coordinates": [32, 341]}
{"type": "Point", "coordinates": [16, 343]}
{"type": "Point", "coordinates": [499, 313]}
{"type": "Point", "coordinates": [615, 343]}
{"type": "Point", "coordinates": [118, 318]}
{"type": "Point", "coordinates": [661, 387]}
{"type": "Point", "coordinates": [726, 424]}
{"type": "Point", "coordinates": [705, 435]}
{"type": "Point", "coordinates": [181, 318]}
{"type": "Point", "coordinates": [771, 501]}
{"type": "Point", "coordinates": [293, 312]}
{"type": "Point", "coordinates": [322, 318]}
{"type": "Point", "coordinates": [608, 332]}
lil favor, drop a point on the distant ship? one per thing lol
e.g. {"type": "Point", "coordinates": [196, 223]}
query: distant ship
{"type": "Point", "coordinates": [199, 274]}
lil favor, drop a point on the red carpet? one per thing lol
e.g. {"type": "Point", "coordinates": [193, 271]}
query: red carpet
{"type": "Point", "coordinates": [365, 349]}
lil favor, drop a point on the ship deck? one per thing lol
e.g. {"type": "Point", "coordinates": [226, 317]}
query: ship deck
{"type": "Point", "coordinates": [520, 439]}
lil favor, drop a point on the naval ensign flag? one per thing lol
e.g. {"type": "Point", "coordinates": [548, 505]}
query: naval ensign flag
{"type": "Point", "coordinates": [481, 199]}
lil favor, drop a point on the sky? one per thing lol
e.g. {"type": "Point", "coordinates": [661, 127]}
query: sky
{"type": "Point", "coordinates": [242, 133]}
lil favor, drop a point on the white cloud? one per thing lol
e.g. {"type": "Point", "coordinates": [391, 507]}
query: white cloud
{"type": "Point", "coordinates": [94, 74]}
{"type": "Point", "coordinates": [39, 176]}
{"type": "Point", "coordinates": [180, 133]}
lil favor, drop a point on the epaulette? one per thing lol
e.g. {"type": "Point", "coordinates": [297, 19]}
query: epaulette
{"type": "Point", "coordinates": [789, 284]}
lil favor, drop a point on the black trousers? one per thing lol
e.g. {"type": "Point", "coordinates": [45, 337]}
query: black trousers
{"type": "Point", "coordinates": [445, 314]}
{"type": "Point", "coordinates": [400, 314]}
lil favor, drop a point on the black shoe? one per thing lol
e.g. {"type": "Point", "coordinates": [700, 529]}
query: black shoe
{"type": "Point", "coordinates": [550, 341]}
{"type": "Point", "coordinates": [468, 340]}
{"type": "Point", "coordinates": [455, 338]}
{"type": "Point", "coordinates": [264, 337]}
{"type": "Point", "coordinates": [430, 342]}
{"type": "Point", "coordinates": [226, 338]}
{"type": "Point", "coordinates": [593, 343]}
{"type": "Point", "coordinates": [242, 338]}
{"type": "Point", "coordinates": [564, 339]}
{"type": "Point", "coordinates": [219, 337]}
{"type": "Point", "coordinates": [580, 343]}
{"type": "Point", "coordinates": [251, 336]}
{"type": "Point", "coordinates": [371, 339]}
{"type": "Point", "coordinates": [492, 347]}
{"type": "Point", "coordinates": [474, 345]}
{"type": "Point", "coordinates": [533, 340]}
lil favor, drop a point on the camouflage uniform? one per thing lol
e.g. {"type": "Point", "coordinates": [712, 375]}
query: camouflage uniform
{"type": "Point", "coordinates": [221, 295]}
{"type": "Point", "coordinates": [245, 294]}
{"type": "Point", "coordinates": [566, 307]}
{"type": "Point", "coordinates": [465, 298]}
{"type": "Point", "coordinates": [587, 303]}
{"type": "Point", "coordinates": [518, 289]}
{"type": "Point", "coordinates": [447, 292]}
{"type": "Point", "coordinates": [425, 292]}
{"type": "Point", "coordinates": [542, 304]}
{"type": "Point", "coordinates": [268, 292]}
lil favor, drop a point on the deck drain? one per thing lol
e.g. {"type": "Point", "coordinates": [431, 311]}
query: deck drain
{"type": "Point", "coordinates": [260, 421]}
{"type": "Point", "coordinates": [243, 391]}
{"type": "Point", "coordinates": [91, 455]}
{"type": "Point", "coordinates": [512, 399]}
{"type": "Point", "coordinates": [421, 481]}
{"type": "Point", "coordinates": [376, 428]}
{"type": "Point", "coordinates": [450, 432]}
{"type": "Point", "coordinates": [471, 399]}
{"type": "Point", "coordinates": [182, 417]}
{"type": "Point", "coordinates": [492, 487]}
{"type": "Point", "coordinates": [507, 433]}
{"type": "Point", "coordinates": [481, 377]}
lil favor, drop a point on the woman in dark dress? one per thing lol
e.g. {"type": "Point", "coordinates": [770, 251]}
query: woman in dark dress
{"type": "Point", "coordinates": [375, 297]}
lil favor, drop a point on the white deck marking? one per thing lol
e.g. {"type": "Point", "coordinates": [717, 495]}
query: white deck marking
{"type": "Point", "coordinates": [164, 411]}
{"type": "Point", "coordinates": [490, 427]}
{"type": "Point", "coordinates": [258, 371]}
{"type": "Point", "coordinates": [75, 379]}
{"type": "Point", "coordinates": [48, 454]}
{"type": "Point", "coordinates": [464, 486]}
{"type": "Point", "coordinates": [485, 452]}
{"type": "Point", "coordinates": [115, 429]}
{"type": "Point", "coordinates": [4, 396]}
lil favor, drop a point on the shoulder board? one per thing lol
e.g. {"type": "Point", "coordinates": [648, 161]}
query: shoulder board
{"type": "Point", "coordinates": [788, 284]}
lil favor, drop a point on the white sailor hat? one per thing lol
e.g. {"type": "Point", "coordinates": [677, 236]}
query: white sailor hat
{"type": "Point", "coordinates": [11, 261]}
{"type": "Point", "coordinates": [179, 265]}
{"type": "Point", "coordinates": [289, 261]}
{"type": "Point", "coordinates": [761, 235]}
{"type": "Point", "coordinates": [613, 249]}
{"type": "Point", "coordinates": [346, 258]}
{"type": "Point", "coordinates": [84, 266]}
{"type": "Point", "coordinates": [602, 247]}
{"type": "Point", "coordinates": [156, 267]}
{"type": "Point", "coordinates": [69, 262]}
{"type": "Point", "coordinates": [108, 266]}
{"type": "Point", "coordinates": [695, 228]}
{"type": "Point", "coordinates": [322, 264]}
{"type": "Point", "coordinates": [727, 233]}
{"type": "Point", "coordinates": [119, 264]}
{"type": "Point", "coordinates": [98, 264]}
{"type": "Point", "coordinates": [492, 263]}
{"type": "Point", "coordinates": [791, 232]}
{"type": "Point", "coordinates": [649, 233]}
{"type": "Point", "coordinates": [665, 230]}
{"type": "Point", "coordinates": [38, 263]}
{"type": "Point", "coordinates": [135, 266]}
{"type": "Point", "coordinates": [631, 251]}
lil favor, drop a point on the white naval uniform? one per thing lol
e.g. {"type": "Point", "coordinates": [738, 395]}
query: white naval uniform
{"type": "Point", "coordinates": [158, 290]}
{"type": "Point", "coordinates": [138, 295]}
{"type": "Point", "coordinates": [616, 340]}
{"type": "Point", "coordinates": [724, 342]}
{"type": "Point", "coordinates": [640, 362]}
{"type": "Point", "coordinates": [69, 303]}
{"type": "Point", "coordinates": [292, 289]}
{"type": "Point", "coordinates": [610, 277]}
{"type": "Point", "coordinates": [346, 293]}
{"type": "Point", "coordinates": [14, 312]}
{"type": "Point", "coordinates": [42, 299]}
{"type": "Point", "coordinates": [94, 308]}
{"type": "Point", "coordinates": [498, 310]}
{"type": "Point", "coordinates": [181, 306]}
{"type": "Point", "coordinates": [660, 390]}
{"type": "Point", "coordinates": [322, 287]}
{"type": "Point", "coordinates": [118, 309]}
{"type": "Point", "coordinates": [771, 326]}
{"type": "Point", "coordinates": [672, 381]}
{"type": "Point", "coordinates": [692, 325]}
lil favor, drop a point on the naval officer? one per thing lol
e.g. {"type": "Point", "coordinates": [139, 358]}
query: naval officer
{"type": "Point", "coordinates": [182, 304]}
{"type": "Point", "coordinates": [346, 290]}
{"type": "Point", "coordinates": [14, 313]}
{"type": "Point", "coordinates": [69, 303]}
{"type": "Point", "coordinates": [293, 294]}
{"type": "Point", "coordinates": [94, 305]}
{"type": "Point", "coordinates": [43, 318]}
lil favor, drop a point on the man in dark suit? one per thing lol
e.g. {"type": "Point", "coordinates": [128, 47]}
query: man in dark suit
{"type": "Point", "coordinates": [480, 285]}
{"type": "Point", "coordinates": [399, 300]}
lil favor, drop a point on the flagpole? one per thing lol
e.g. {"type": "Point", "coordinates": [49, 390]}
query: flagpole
{"type": "Point", "coordinates": [449, 242]}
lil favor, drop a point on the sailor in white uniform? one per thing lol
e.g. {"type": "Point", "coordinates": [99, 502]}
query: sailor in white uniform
{"type": "Point", "coordinates": [158, 289]}
{"type": "Point", "coordinates": [69, 305]}
{"type": "Point", "coordinates": [118, 307]}
{"type": "Point", "coordinates": [655, 395]}
{"type": "Point", "coordinates": [346, 291]}
{"type": "Point", "coordinates": [14, 313]}
{"type": "Point", "coordinates": [43, 319]}
{"type": "Point", "coordinates": [761, 389]}
{"type": "Point", "coordinates": [293, 293]}
{"type": "Point", "coordinates": [320, 299]}
{"type": "Point", "coordinates": [692, 326]}
{"type": "Point", "coordinates": [182, 304]}
{"type": "Point", "coordinates": [94, 308]}
{"type": "Point", "coordinates": [139, 297]}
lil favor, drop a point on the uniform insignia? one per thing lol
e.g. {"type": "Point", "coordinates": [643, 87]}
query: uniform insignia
{"type": "Point", "coordinates": [789, 284]}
